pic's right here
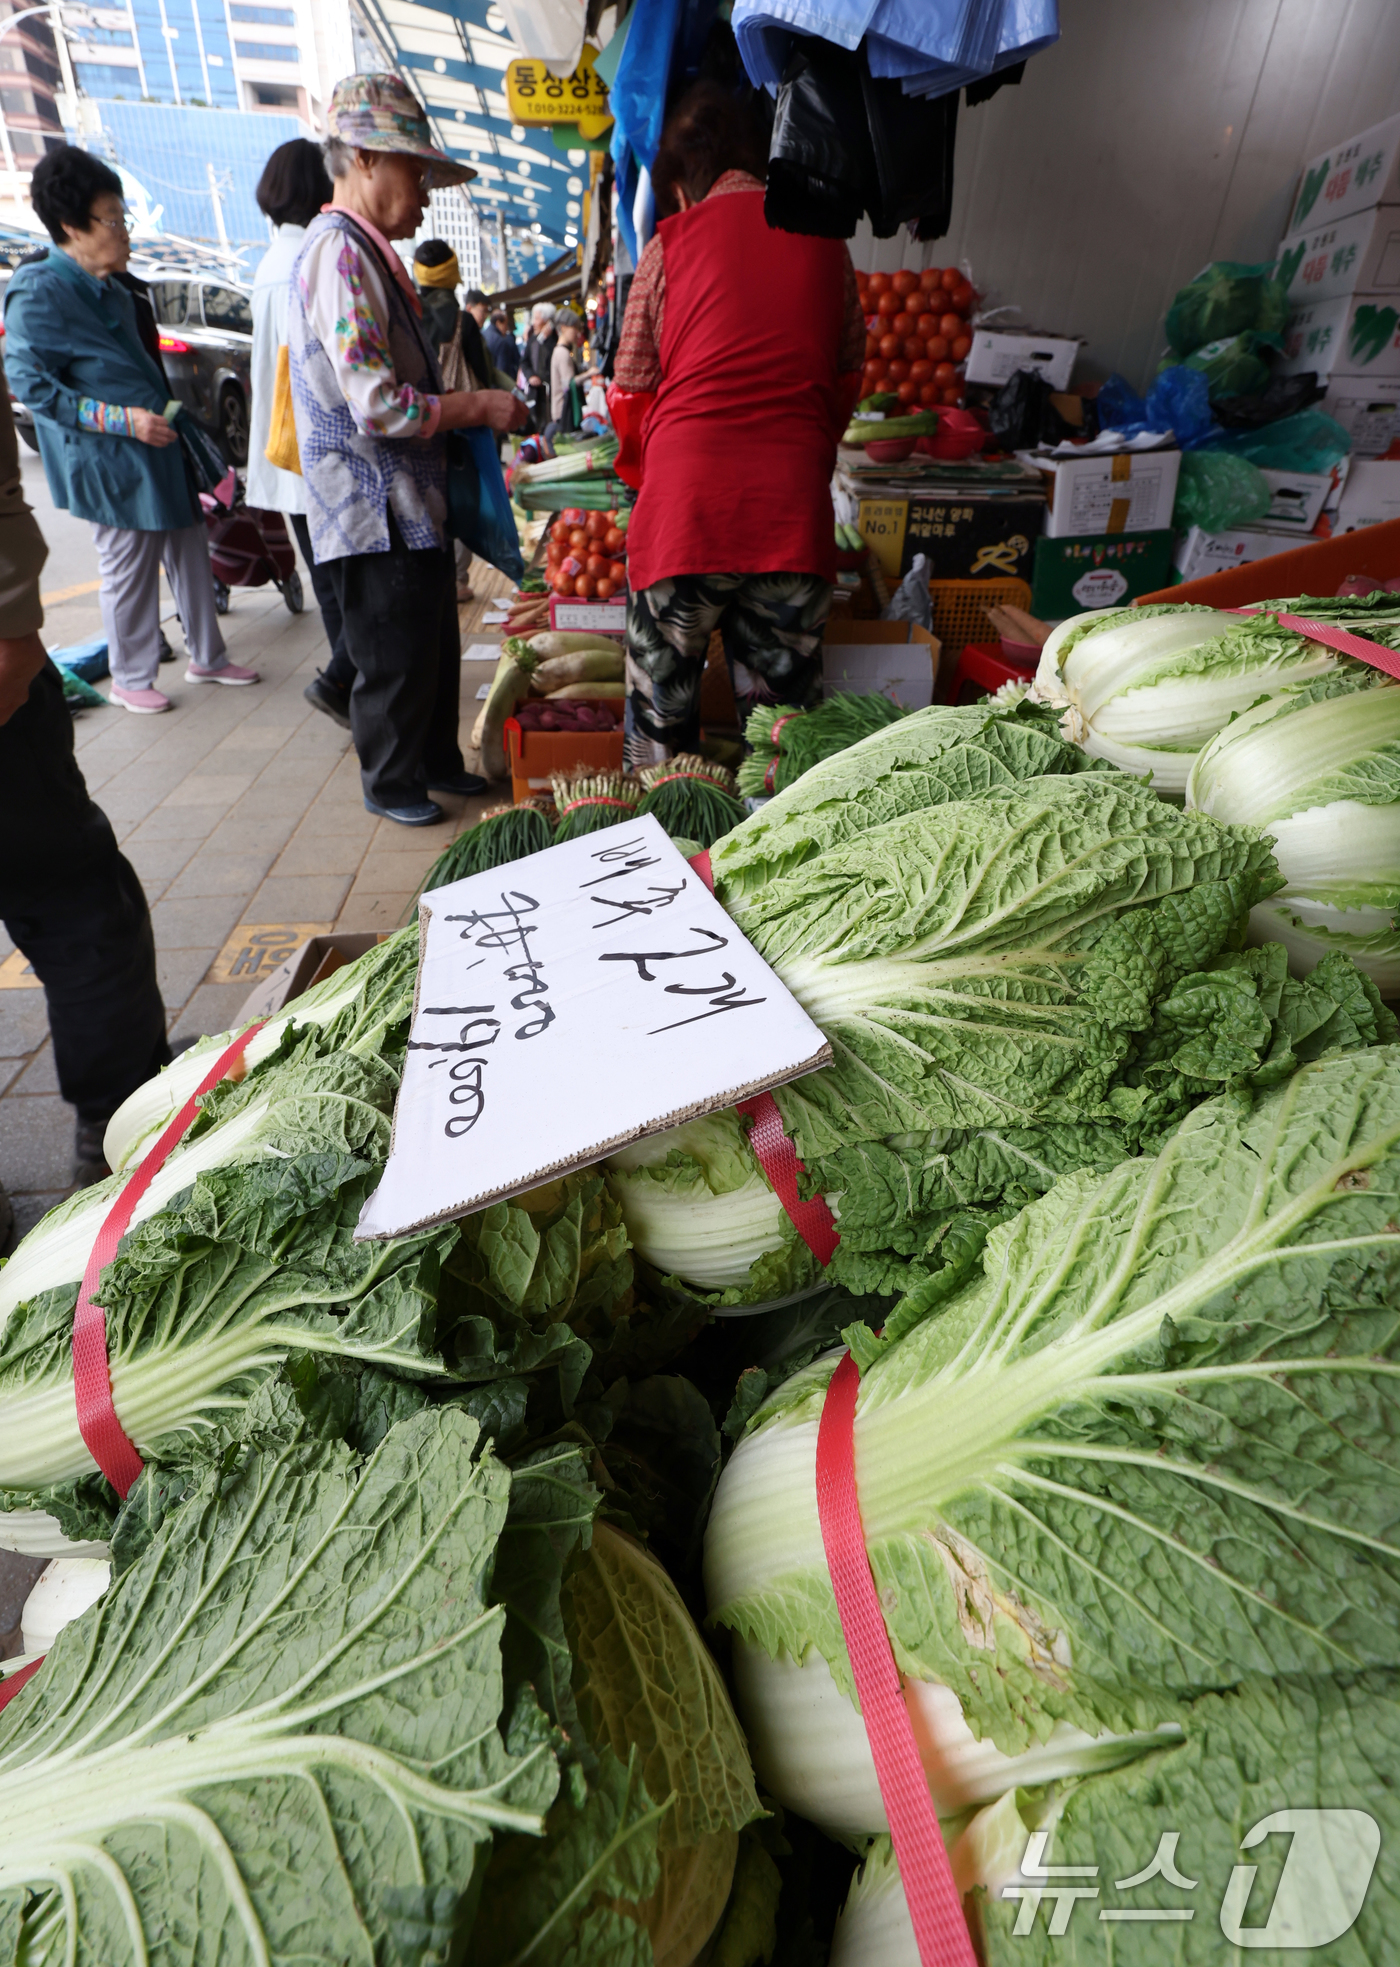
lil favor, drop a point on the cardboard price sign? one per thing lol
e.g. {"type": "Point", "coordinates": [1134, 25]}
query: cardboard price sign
{"type": "Point", "coordinates": [568, 1003]}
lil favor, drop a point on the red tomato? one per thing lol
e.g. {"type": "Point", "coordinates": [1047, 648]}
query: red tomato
{"type": "Point", "coordinates": [596, 525]}
{"type": "Point", "coordinates": [920, 371]}
{"type": "Point", "coordinates": [875, 373]}
{"type": "Point", "coordinates": [897, 372]}
{"type": "Point", "coordinates": [902, 324]}
{"type": "Point", "coordinates": [596, 564]}
{"type": "Point", "coordinates": [951, 278]}
{"type": "Point", "coordinates": [930, 394]}
{"type": "Point", "coordinates": [914, 349]}
{"type": "Point", "coordinates": [917, 302]}
{"type": "Point", "coordinates": [561, 582]}
{"type": "Point", "coordinates": [578, 538]}
{"type": "Point", "coordinates": [617, 573]}
{"type": "Point", "coordinates": [605, 590]}
{"type": "Point", "coordinates": [931, 280]}
{"type": "Point", "coordinates": [888, 305]}
{"type": "Point", "coordinates": [613, 539]}
{"type": "Point", "coordinates": [554, 553]}
{"type": "Point", "coordinates": [904, 282]}
{"type": "Point", "coordinates": [952, 396]}
{"type": "Point", "coordinates": [890, 345]}
{"type": "Point", "coordinates": [950, 326]}
{"type": "Point", "coordinates": [872, 346]}
{"type": "Point", "coordinates": [879, 283]}
{"type": "Point", "coordinates": [585, 587]}
{"type": "Point", "coordinates": [962, 298]}
{"type": "Point", "coordinates": [961, 348]}
{"type": "Point", "coordinates": [936, 348]}
{"type": "Point", "coordinates": [945, 375]}
{"type": "Point", "coordinates": [908, 392]}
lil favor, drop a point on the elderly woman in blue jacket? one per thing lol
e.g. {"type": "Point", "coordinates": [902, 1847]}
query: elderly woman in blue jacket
{"type": "Point", "coordinates": [77, 361]}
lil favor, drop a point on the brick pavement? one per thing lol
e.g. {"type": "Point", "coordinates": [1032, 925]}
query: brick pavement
{"type": "Point", "coordinates": [240, 806]}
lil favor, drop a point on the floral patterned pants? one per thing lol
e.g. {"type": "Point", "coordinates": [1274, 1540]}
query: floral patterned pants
{"type": "Point", "coordinates": [772, 627]}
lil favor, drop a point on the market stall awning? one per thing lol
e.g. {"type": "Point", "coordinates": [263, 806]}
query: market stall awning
{"type": "Point", "coordinates": [557, 282]}
{"type": "Point", "coordinates": [456, 63]}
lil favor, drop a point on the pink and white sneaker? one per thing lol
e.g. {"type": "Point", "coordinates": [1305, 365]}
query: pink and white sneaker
{"type": "Point", "coordinates": [230, 673]}
{"type": "Point", "coordinates": [145, 703]}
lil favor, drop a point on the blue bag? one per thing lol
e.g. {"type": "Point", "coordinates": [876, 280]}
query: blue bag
{"type": "Point", "coordinates": [478, 509]}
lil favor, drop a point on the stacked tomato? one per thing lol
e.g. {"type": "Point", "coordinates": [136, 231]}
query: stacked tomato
{"type": "Point", "coordinates": [586, 555]}
{"type": "Point", "coordinates": [917, 333]}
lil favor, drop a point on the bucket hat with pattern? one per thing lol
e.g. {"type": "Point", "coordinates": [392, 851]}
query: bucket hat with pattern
{"type": "Point", "coordinates": [381, 112]}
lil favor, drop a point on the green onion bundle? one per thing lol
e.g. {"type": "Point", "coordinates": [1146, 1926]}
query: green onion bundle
{"type": "Point", "coordinates": [692, 797]}
{"type": "Point", "coordinates": [503, 833]}
{"type": "Point", "coordinates": [787, 742]}
{"type": "Point", "coordinates": [588, 801]}
{"type": "Point", "coordinates": [597, 494]}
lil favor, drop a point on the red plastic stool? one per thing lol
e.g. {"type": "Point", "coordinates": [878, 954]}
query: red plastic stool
{"type": "Point", "coordinates": [984, 664]}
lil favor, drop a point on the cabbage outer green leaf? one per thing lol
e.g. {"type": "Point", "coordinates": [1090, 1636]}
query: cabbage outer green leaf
{"type": "Point", "coordinates": [1152, 1450]}
{"type": "Point", "coordinates": [278, 1734]}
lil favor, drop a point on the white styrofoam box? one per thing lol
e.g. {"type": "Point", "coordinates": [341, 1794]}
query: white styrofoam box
{"type": "Point", "coordinates": [1368, 409]}
{"type": "Point", "coordinates": [1372, 494]}
{"type": "Point", "coordinates": [1199, 552]}
{"type": "Point", "coordinates": [1299, 497]}
{"type": "Point", "coordinates": [1351, 176]}
{"type": "Point", "coordinates": [995, 357]}
{"type": "Point", "coordinates": [1356, 255]}
{"type": "Point", "coordinates": [1359, 336]}
{"type": "Point", "coordinates": [1113, 492]}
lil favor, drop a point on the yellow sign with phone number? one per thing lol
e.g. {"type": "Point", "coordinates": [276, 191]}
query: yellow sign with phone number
{"type": "Point", "coordinates": [536, 96]}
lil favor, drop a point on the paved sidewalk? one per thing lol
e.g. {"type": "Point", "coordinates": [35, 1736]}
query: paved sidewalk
{"type": "Point", "coordinates": [241, 812]}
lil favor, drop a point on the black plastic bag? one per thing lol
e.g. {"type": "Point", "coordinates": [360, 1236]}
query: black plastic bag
{"type": "Point", "coordinates": [1284, 397]}
{"type": "Point", "coordinates": [1019, 409]}
{"type": "Point", "coordinates": [821, 167]}
{"type": "Point", "coordinates": [912, 138]}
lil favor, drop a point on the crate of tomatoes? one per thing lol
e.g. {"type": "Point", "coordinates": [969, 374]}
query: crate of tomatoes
{"type": "Point", "coordinates": [918, 333]}
{"type": "Point", "coordinates": [586, 557]}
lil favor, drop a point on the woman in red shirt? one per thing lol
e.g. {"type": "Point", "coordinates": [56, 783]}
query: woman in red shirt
{"type": "Point", "coordinates": [739, 365]}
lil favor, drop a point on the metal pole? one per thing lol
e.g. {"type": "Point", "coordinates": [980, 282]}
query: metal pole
{"type": "Point", "coordinates": [501, 248]}
{"type": "Point", "coordinates": [215, 188]}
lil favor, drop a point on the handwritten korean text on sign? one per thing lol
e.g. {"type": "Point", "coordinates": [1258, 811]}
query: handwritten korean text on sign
{"type": "Point", "coordinates": [568, 1003]}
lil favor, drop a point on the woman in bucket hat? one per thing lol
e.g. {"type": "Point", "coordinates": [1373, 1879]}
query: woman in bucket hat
{"type": "Point", "coordinates": [371, 418]}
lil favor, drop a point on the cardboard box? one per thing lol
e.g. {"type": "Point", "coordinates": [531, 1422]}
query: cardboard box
{"type": "Point", "coordinates": [535, 756]}
{"type": "Point", "coordinates": [1360, 254]}
{"type": "Point", "coordinates": [1097, 571]}
{"type": "Point", "coordinates": [899, 659]}
{"type": "Point", "coordinates": [317, 958]}
{"type": "Point", "coordinates": [1359, 336]}
{"type": "Point", "coordinates": [1199, 552]}
{"type": "Point", "coordinates": [1112, 492]}
{"type": "Point", "coordinates": [961, 535]}
{"type": "Point", "coordinates": [1372, 494]}
{"type": "Point", "coordinates": [1299, 497]}
{"type": "Point", "coordinates": [1350, 177]}
{"type": "Point", "coordinates": [1368, 409]}
{"type": "Point", "coordinates": [995, 357]}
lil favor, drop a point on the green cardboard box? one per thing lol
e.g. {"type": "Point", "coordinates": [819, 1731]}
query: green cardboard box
{"type": "Point", "coordinates": [1097, 570]}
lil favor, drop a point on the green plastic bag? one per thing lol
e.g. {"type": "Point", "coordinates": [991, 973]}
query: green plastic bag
{"type": "Point", "coordinates": [1222, 302]}
{"type": "Point", "coordinates": [1217, 490]}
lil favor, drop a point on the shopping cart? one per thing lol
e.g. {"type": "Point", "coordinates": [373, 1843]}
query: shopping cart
{"type": "Point", "coordinates": [248, 547]}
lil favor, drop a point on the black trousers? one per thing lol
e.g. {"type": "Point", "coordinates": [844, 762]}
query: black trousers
{"type": "Point", "coordinates": [399, 610]}
{"type": "Point", "coordinates": [73, 904]}
{"type": "Point", "coordinates": [339, 671]}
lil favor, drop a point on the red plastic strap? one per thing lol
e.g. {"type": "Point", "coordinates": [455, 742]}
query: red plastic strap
{"type": "Point", "coordinates": [777, 1157]}
{"type": "Point", "coordinates": [671, 778]}
{"type": "Point", "coordinates": [935, 1908]}
{"type": "Point", "coordinates": [106, 1438]}
{"type": "Point", "coordinates": [597, 799]}
{"type": "Point", "coordinates": [776, 1154]}
{"type": "Point", "coordinates": [11, 1686]}
{"type": "Point", "coordinates": [1333, 637]}
{"type": "Point", "coordinates": [770, 774]}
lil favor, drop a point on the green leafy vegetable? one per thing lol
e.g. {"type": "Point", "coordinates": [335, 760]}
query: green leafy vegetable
{"type": "Point", "coordinates": [805, 737]}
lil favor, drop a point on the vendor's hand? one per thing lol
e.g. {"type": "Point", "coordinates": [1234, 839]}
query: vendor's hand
{"type": "Point", "coordinates": [21, 659]}
{"type": "Point", "coordinates": [495, 409]}
{"type": "Point", "coordinates": [150, 426]}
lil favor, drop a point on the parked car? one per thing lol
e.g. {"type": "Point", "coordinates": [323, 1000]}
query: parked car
{"type": "Point", "coordinates": [206, 344]}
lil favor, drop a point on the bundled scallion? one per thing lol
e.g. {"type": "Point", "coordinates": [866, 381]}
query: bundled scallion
{"type": "Point", "coordinates": [692, 797]}
{"type": "Point", "coordinates": [503, 833]}
{"type": "Point", "coordinates": [587, 460]}
{"type": "Point", "coordinates": [787, 741]}
{"type": "Point", "coordinates": [588, 801]}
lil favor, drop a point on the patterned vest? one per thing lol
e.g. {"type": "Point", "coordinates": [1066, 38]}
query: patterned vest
{"type": "Point", "coordinates": [352, 478]}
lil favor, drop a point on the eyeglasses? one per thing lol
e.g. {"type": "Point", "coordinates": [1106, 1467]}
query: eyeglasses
{"type": "Point", "coordinates": [123, 224]}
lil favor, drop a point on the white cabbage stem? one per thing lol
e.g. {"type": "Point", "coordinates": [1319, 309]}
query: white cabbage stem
{"type": "Point", "coordinates": [64, 1590]}
{"type": "Point", "coordinates": [34, 1533]}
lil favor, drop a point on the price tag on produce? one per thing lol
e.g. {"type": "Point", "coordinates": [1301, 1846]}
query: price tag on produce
{"type": "Point", "coordinates": [568, 1003]}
